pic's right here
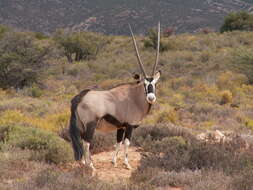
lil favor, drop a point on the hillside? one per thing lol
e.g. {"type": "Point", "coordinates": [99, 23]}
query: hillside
{"type": "Point", "coordinates": [112, 16]}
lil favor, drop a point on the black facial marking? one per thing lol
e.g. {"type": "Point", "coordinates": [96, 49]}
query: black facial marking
{"type": "Point", "coordinates": [150, 88]}
{"type": "Point", "coordinates": [149, 79]}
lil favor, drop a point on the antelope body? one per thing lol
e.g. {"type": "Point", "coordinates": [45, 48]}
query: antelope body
{"type": "Point", "coordinates": [120, 108]}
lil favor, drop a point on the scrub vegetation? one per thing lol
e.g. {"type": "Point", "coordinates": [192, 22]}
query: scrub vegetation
{"type": "Point", "coordinates": [206, 85]}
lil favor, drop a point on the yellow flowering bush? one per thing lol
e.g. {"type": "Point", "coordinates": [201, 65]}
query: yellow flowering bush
{"type": "Point", "coordinates": [53, 122]}
{"type": "Point", "coordinates": [226, 97]}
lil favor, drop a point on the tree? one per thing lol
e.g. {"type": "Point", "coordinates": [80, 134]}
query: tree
{"type": "Point", "coordinates": [22, 60]}
{"type": "Point", "coordinates": [80, 45]}
{"type": "Point", "coordinates": [238, 21]}
{"type": "Point", "coordinates": [3, 30]}
{"type": "Point", "coordinates": [151, 41]}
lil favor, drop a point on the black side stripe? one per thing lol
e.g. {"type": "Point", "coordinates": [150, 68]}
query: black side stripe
{"type": "Point", "coordinates": [112, 120]}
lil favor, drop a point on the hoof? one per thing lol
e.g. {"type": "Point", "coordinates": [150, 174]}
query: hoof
{"type": "Point", "coordinates": [128, 166]}
{"type": "Point", "coordinates": [92, 167]}
{"type": "Point", "coordinates": [93, 172]}
{"type": "Point", "coordinates": [114, 164]}
{"type": "Point", "coordinates": [82, 163]}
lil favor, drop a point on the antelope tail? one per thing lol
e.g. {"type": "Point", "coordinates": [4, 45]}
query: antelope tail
{"type": "Point", "coordinates": [74, 129]}
{"type": "Point", "coordinates": [75, 137]}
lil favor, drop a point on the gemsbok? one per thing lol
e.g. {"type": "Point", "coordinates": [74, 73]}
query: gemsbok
{"type": "Point", "coordinates": [120, 108]}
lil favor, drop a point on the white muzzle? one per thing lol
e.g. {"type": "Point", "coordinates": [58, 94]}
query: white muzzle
{"type": "Point", "coordinates": [151, 98]}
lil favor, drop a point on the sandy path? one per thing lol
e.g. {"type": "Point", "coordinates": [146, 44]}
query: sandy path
{"type": "Point", "coordinates": [107, 172]}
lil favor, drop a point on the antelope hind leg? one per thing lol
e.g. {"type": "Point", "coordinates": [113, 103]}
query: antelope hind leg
{"type": "Point", "coordinates": [128, 135]}
{"type": "Point", "coordinates": [88, 135]}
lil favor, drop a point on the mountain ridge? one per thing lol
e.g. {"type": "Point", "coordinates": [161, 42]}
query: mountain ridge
{"type": "Point", "coordinates": [112, 16]}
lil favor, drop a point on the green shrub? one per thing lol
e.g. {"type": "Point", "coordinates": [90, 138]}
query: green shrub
{"type": "Point", "coordinates": [22, 60]}
{"type": "Point", "coordinates": [36, 92]}
{"type": "Point", "coordinates": [243, 61]}
{"type": "Point", "coordinates": [176, 150]}
{"type": "Point", "coordinates": [46, 145]}
{"type": "Point", "coordinates": [33, 91]}
{"type": "Point", "coordinates": [238, 21]}
{"type": "Point", "coordinates": [3, 30]}
{"type": "Point", "coordinates": [148, 135]}
{"type": "Point", "coordinates": [151, 41]}
{"type": "Point", "coordinates": [244, 56]}
{"type": "Point", "coordinates": [176, 142]}
{"type": "Point", "coordinates": [80, 45]}
{"type": "Point", "coordinates": [40, 36]}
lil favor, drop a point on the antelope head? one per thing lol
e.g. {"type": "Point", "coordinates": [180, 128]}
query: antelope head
{"type": "Point", "coordinates": [149, 81]}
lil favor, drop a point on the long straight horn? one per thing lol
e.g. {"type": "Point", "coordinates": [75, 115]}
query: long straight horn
{"type": "Point", "coordinates": [137, 53]}
{"type": "Point", "coordinates": [157, 49]}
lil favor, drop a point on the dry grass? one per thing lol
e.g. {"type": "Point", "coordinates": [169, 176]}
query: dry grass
{"type": "Point", "coordinates": [205, 84]}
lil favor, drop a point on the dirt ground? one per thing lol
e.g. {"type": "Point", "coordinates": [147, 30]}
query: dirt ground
{"type": "Point", "coordinates": [107, 172]}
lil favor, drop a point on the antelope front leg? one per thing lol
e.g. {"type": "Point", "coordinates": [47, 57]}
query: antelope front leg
{"type": "Point", "coordinates": [128, 134]}
{"type": "Point", "coordinates": [120, 134]}
{"type": "Point", "coordinates": [126, 143]}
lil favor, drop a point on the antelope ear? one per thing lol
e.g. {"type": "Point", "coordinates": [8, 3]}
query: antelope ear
{"type": "Point", "coordinates": [157, 76]}
{"type": "Point", "coordinates": [137, 77]}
